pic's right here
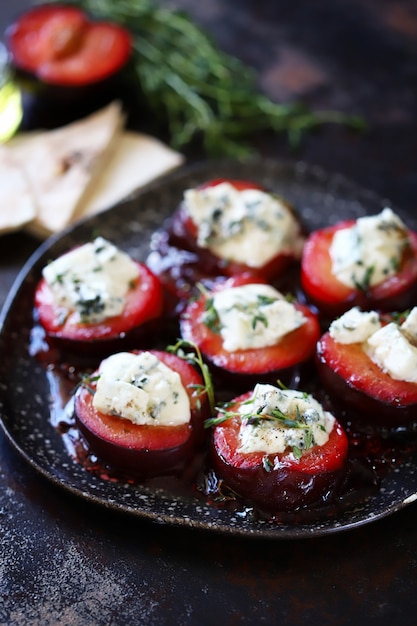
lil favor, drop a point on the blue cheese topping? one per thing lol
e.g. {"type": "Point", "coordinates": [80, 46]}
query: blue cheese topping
{"type": "Point", "coordinates": [392, 347]}
{"type": "Point", "coordinates": [248, 226]}
{"type": "Point", "coordinates": [142, 389]}
{"type": "Point", "coordinates": [354, 326]}
{"type": "Point", "coordinates": [91, 280]}
{"type": "Point", "coordinates": [274, 420]}
{"type": "Point", "coordinates": [370, 251]}
{"type": "Point", "coordinates": [254, 316]}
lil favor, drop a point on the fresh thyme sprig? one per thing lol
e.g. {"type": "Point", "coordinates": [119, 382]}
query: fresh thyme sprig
{"type": "Point", "coordinates": [198, 90]}
{"type": "Point", "coordinates": [255, 418]}
{"type": "Point", "coordinates": [191, 353]}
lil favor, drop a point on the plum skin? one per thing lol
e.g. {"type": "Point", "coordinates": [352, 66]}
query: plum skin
{"type": "Point", "coordinates": [144, 451]}
{"type": "Point", "coordinates": [140, 462]}
{"type": "Point", "coordinates": [332, 298]}
{"type": "Point", "coordinates": [282, 489]}
{"type": "Point", "coordinates": [289, 360]}
{"type": "Point", "coordinates": [277, 482]}
{"type": "Point", "coordinates": [141, 318]}
{"type": "Point", "coordinates": [183, 233]}
{"type": "Point", "coordinates": [364, 411]}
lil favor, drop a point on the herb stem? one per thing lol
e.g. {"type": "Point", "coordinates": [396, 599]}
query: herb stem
{"type": "Point", "coordinates": [191, 353]}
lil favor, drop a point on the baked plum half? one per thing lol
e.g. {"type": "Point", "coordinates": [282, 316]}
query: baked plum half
{"type": "Point", "coordinates": [142, 412]}
{"type": "Point", "coordinates": [249, 332]}
{"type": "Point", "coordinates": [235, 226]}
{"type": "Point", "coordinates": [95, 297]}
{"type": "Point", "coordinates": [370, 262]}
{"type": "Point", "coordinates": [368, 364]}
{"type": "Point", "coordinates": [279, 449]}
{"type": "Point", "coordinates": [224, 228]}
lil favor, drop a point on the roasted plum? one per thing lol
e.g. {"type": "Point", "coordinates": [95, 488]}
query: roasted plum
{"type": "Point", "coordinates": [286, 351]}
{"type": "Point", "coordinates": [397, 287]}
{"type": "Point", "coordinates": [225, 228]}
{"type": "Point", "coordinates": [279, 465]}
{"type": "Point", "coordinates": [159, 446]}
{"type": "Point", "coordinates": [77, 322]}
{"type": "Point", "coordinates": [369, 391]}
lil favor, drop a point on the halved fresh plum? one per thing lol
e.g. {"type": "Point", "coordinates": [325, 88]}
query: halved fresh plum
{"type": "Point", "coordinates": [68, 65]}
{"type": "Point", "coordinates": [61, 45]}
{"type": "Point", "coordinates": [372, 399]}
{"type": "Point", "coordinates": [279, 481]}
{"type": "Point", "coordinates": [144, 450]}
{"type": "Point", "coordinates": [332, 297]}
{"type": "Point", "coordinates": [284, 360]}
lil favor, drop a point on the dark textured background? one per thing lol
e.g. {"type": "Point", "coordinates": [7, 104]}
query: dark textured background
{"type": "Point", "coordinates": [67, 562]}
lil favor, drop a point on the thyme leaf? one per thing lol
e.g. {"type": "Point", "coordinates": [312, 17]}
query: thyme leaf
{"type": "Point", "coordinates": [211, 316]}
{"type": "Point", "coordinates": [87, 381]}
{"type": "Point", "coordinates": [364, 284]}
{"type": "Point", "coordinates": [297, 452]}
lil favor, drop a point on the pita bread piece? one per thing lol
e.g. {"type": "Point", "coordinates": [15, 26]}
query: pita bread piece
{"type": "Point", "coordinates": [17, 206]}
{"type": "Point", "coordinates": [136, 160]}
{"type": "Point", "coordinates": [61, 164]}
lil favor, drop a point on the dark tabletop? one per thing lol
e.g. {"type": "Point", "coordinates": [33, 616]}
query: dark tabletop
{"type": "Point", "coordinates": [65, 561]}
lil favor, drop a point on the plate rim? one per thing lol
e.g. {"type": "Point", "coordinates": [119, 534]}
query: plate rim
{"type": "Point", "coordinates": [276, 532]}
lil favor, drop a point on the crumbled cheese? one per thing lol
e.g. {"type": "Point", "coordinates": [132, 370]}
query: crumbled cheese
{"type": "Point", "coordinates": [254, 316]}
{"type": "Point", "coordinates": [274, 436]}
{"type": "Point", "coordinates": [390, 349]}
{"type": "Point", "coordinates": [354, 326]}
{"type": "Point", "coordinates": [248, 226]}
{"type": "Point", "coordinates": [370, 251]}
{"type": "Point", "coordinates": [142, 389]}
{"type": "Point", "coordinates": [92, 280]}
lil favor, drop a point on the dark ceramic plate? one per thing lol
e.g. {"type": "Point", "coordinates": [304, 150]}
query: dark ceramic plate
{"type": "Point", "coordinates": [26, 391]}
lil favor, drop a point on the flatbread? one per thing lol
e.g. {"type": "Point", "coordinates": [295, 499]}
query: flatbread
{"type": "Point", "coordinates": [81, 169]}
{"type": "Point", "coordinates": [61, 164]}
{"type": "Point", "coordinates": [17, 206]}
{"type": "Point", "coordinates": [136, 160]}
